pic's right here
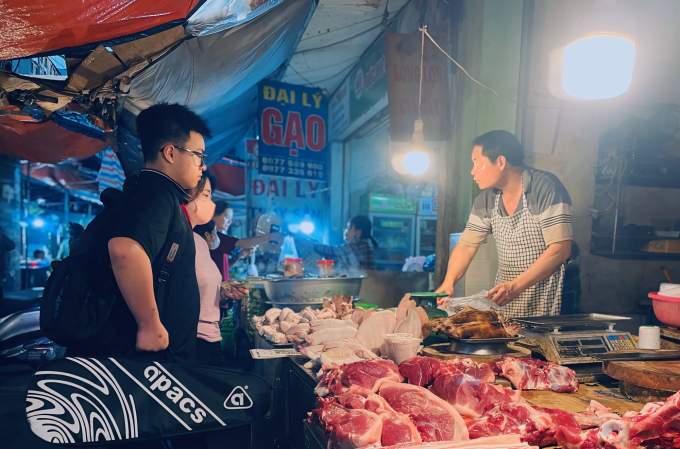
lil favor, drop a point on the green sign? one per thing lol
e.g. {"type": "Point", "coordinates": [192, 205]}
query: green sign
{"type": "Point", "coordinates": [391, 224]}
{"type": "Point", "coordinates": [367, 81]}
{"type": "Point", "coordinates": [382, 202]}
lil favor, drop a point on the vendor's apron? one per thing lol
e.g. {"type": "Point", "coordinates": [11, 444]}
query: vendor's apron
{"type": "Point", "coordinates": [520, 242]}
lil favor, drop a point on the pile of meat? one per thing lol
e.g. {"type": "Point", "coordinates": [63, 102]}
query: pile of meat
{"type": "Point", "coordinates": [375, 408]}
{"type": "Point", "coordinates": [473, 323]}
{"type": "Point", "coordinates": [532, 374]}
{"type": "Point", "coordinates": [656, 425]}
{"type": "Point", "coordinates": [279, 325]}
{"type": "Point", "coordinates": [357, 336]}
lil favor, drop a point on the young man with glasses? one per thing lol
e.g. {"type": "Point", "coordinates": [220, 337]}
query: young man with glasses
{"type": "Point", "coordinates": [155, 314]}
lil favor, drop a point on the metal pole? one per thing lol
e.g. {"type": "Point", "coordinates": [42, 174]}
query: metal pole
{"type": "Point", "coordinates": [24, 283]}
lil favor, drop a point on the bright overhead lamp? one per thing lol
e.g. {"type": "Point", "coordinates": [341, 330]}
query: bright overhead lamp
{"type": "Point", "coordinates": [599, 64]}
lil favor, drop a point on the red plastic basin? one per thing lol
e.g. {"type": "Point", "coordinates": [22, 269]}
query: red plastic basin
{"type": "Point", "coordinates": [666, 309]}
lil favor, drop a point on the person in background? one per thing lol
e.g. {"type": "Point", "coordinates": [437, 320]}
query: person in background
{"type": "Point", "coordinates": [357, 253]}
{"type": "Point", "coordinates": [6, 245]}
{"type": "Point", "coordinates": [200, 210]}
{"type": "Point", "coordinates": [74, 232]}
{"type": "Point", "coordinates": [220, 255]}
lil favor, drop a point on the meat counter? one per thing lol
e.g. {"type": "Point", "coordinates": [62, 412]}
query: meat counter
{"type": "Point", "coordinates": [293, 398]}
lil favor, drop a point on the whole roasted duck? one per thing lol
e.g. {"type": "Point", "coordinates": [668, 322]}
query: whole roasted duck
{"type": "Point", "coordinates": [473, 323]}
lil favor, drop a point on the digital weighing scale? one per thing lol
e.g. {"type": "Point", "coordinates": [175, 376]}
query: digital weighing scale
{"type": "Point", "coordinates": [573, 339]}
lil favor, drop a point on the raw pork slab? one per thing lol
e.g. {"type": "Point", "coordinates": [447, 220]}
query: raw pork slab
{"type": "Point", "coordinates": [536, 426]}
{"type": "Point", "coordinates": [470, 396]}
{"type": "Point", "coordinates": [435, 419]}
{"type": "Point", "coordinates": [367, 373]}
{"type": "Point", "coordinates": [397, 427]}
{"type": "Point", "coordinates": [532, 374]}
{"type": "Point", "coordinates": [348, 428]}
{"type": "Point", "coordinates": [373, 327]}
{"type": "Point", "coordinates": [419, 370]}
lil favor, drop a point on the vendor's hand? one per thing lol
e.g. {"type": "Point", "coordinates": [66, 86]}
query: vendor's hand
{"type": "Point", "coordinates": [237, 292]}
{"type": "Point", "coordinates": [503, 294]}
{"type": "Point", "coordinates": [152, 338]}
{"type": "Point", "coordinates": [444, 288]}
{"type": "Point", "coordinates": [276, 237]}
{"type": "Point", "coordinates": [245, 252]}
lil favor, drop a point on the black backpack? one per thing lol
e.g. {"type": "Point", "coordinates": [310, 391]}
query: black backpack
{"type": "Point", "coordinates": [80, 293]}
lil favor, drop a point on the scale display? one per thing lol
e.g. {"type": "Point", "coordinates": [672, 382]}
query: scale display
{"type": "Point", "coordinates": [571, 347]}
{"type": "Point", "coordinates": [575, 346]}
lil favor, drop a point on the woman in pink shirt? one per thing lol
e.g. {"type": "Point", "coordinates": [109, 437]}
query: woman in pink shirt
{"type": "Point", "coordinates": [200, 210]}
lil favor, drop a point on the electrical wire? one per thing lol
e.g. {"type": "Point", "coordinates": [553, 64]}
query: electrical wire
{"type": "Point", "coordinates": [424, 30]}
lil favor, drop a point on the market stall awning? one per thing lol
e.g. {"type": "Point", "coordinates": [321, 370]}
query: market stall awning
{"type": "Point", "coordinates": [216, 75]}
{"type": "Point", "coordinates": [30, 28]}
{"type": "Point", "coordinates": [338, 34]}
{"type": "Point", "coordinates": [46, 141]}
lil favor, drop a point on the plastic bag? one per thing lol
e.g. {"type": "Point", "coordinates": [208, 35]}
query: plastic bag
{"type": "Point", "coordinates": [476, 301]}
{"type": "Point", "coordinates": [288, 249]}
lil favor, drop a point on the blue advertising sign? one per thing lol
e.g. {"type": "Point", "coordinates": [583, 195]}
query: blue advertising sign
{"type": "Point", "coordinates": [293, 131]}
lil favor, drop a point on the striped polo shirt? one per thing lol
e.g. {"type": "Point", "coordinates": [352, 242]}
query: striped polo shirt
{"type": "Point", "coordinates": [548, 202]}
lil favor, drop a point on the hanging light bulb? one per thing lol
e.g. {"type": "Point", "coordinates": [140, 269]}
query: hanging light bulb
{"type": "Point", "coordinates": [599, 64]}
{"type": "Point", "coordinates": [417, 160]}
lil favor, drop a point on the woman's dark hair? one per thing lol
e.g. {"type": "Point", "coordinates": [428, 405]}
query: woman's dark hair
{"type": "Point", "coordinates": [164, 124]}
{"type": "Point", "coordinates": [363, 224]}
{"type": "Point", "coordinates": [220, 207]}
{"type": "Point", "coordinates": [196, 191]}
{"type": "Point", "coordinates": [202, 229]}
{"type": "Point", "coordinates": [501, 143]}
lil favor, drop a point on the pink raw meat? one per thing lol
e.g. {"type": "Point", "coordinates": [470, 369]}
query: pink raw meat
{"type": "Point", "coordinates": [481, 371]}
{"type": "Point", "coordinates": [536, 426]}
{"type": "Point", "coordinates": [331, 380]}
{"type": "Point", "coordinates": [347, 428]}
{"type": "Point", "coordinates": [532, 374]}
{"type": "Point", "coordinates": [502, 442]}
{"type": "Point", "coordinates": [419, 370]}
{"type": "Point", "coordinates": [422, 370]}
{"type": "Point", "coordinates": [365, 374]}
{"type": "Point", "coordinates": [435, 419]}
{"type": "Point", "coordinates": [629, 433]}
{"type": "Point", "coordinates": [595, 415]}
{"type": "Point", "coordinates": [397, 427]}
{"type": "Point", "coordinates": [470, 396]}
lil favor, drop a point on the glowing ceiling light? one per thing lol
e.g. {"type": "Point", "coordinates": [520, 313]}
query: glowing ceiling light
{"type": "Point", "coordinates": [38, 223]}
{"type": "Point", "coordinates": [599, 63]}
{"type": "Point", "coordinates": [598, 66]}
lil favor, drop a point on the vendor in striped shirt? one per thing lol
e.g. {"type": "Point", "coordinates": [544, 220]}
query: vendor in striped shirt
{"type": "Point", "coordinates": [528, 211]}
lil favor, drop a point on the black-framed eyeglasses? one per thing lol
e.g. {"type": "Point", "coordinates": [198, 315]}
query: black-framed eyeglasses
{"type": "Point", "coordinates": [201, 156]}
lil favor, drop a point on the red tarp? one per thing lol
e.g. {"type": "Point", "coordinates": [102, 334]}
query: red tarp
{"type": "Point", "coordinates": [31, 27]}
{"type": "Point", "coordinates": [45, 141]}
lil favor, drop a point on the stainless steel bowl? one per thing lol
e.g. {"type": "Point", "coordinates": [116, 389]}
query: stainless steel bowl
{"type": "Point", "coordinates": [310, 289]}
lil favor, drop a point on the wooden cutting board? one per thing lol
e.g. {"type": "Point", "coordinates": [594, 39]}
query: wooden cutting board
{"type": "Point", "coordinates": [656, 375]}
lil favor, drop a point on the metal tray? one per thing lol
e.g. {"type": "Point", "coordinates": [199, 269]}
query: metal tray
{"type": "Point", "coordinates": [481, 346]}
{"type": "Point", "coordinates": [567, 321]}
{"type": "Point", "coordinates": [309, 289]}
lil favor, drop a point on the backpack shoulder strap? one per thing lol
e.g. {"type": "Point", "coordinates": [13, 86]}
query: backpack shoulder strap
{"type": "Point", "coordinates": [166, 271]}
